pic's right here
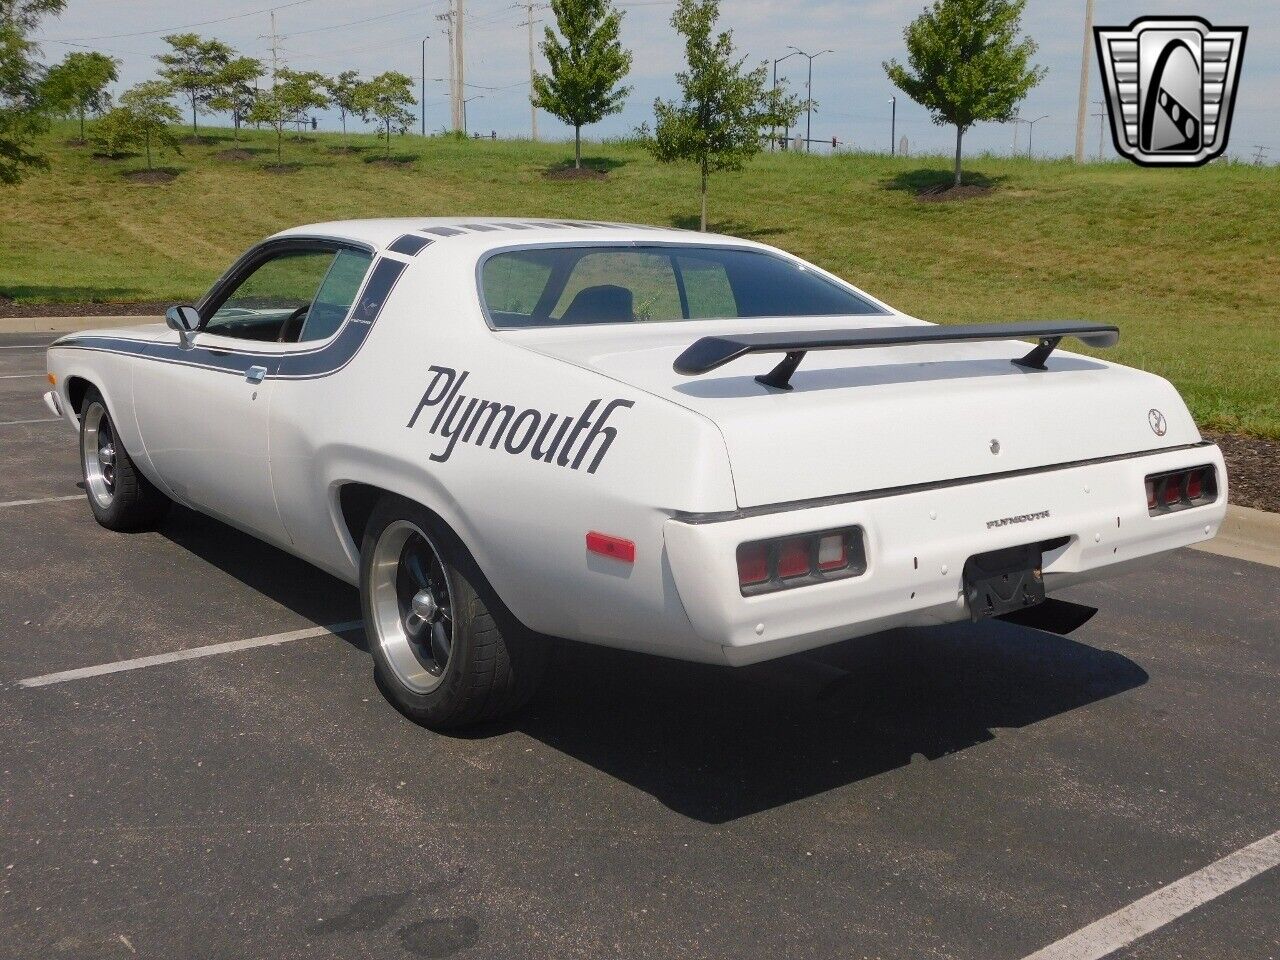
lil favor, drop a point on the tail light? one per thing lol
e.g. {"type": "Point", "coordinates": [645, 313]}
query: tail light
{"type": "Point", "coordinates": [765, 566]}
{"type": "Point", "coordinates": [1181, 489]}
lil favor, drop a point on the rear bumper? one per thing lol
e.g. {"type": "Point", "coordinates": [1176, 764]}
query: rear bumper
{"type": "Point", "coordinates": [917, 544]}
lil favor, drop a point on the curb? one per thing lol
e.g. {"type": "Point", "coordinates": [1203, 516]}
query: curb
{"type": "Point", "coordinates": [68, 324]}
{"type": "Point", "coordinates": [1247, 534]}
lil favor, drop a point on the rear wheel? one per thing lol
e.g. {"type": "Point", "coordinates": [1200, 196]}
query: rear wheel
{"type": "Point", "coordinates": [120, 497]}
{"type": "Point", "coordinates": [446, 651]}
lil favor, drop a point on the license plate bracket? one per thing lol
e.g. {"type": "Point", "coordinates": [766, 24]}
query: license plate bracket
{"type": "Point", "coordinates": [1003, 581]}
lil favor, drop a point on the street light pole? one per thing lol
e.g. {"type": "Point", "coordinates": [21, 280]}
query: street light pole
{"type": "Point", "coordinates": [774, 130]}
{"type": "Point", "coordinates": [808, 122]}
{"type": "Point", "coordinates": [893, 125]}
{"type": "Point", "coordinates": [1031, 129]}
{"type": "Point", "coordinates": [424, 83]}
{"type": "Point", "coordinates": [478, 96]}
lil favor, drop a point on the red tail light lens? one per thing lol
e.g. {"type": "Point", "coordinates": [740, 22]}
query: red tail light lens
{"type": "Point", "coordinates": [765, 566]}
{"type": "Point", "coordinates": [753, 563]}
{"type": "Point", "coordinates": [793, 558]}
{"type": "Point", "coordinates": [1181, 489]}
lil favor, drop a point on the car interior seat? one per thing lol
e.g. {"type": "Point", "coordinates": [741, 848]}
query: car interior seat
{"type": "Point", "coordinates": [606, 303]}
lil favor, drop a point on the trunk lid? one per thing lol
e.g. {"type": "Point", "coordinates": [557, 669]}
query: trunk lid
{"type": "Point", "coordinates": [873, 419]}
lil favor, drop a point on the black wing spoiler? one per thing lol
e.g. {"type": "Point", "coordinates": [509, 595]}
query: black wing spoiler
{"type": "Point", "coordinates": [708, 353]}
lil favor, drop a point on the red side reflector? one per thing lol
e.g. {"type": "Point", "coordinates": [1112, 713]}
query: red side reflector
{"type": "Point", "coordinates": [1173, 489]}
{"type": "Point", "coordinates": [793, 557]}
{"type": "Point", "coordinates": [753, 563]}
{"type": "Point", "coordinates": [614, 547]}
{"type": "Point", "coordinates": [1151, 495]}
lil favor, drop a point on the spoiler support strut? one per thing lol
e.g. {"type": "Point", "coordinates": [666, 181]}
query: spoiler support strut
{"type": "Point", "coordinates": [709, 353]}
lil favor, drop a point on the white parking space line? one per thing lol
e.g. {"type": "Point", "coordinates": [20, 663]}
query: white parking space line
{"type": "Point", "coordinates": [29, 503]}
{"type": "Point", "coordinates": [1166, 904]}
{"type": "Point", "coordinates": [26, 346]}
{"type": "Point", "coordinates": [21, 376]}
{"type": "Point", "coordinates": [193, 653]}
{"type": "Point", "coordinates": [15, 423]}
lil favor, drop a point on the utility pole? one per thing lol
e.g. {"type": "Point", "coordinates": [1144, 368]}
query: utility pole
{"type": "Point", "coordinates": [808, 122]}
{"type": "Point", "coordinates": [1015, 121]}
{"type": "Point", "coordinates": [1082, 107]}
{"type": "Point", "coordinates": [529, 22]}
{"type": "Point", "coordinates": [455, 116]}
{"type": "Point", "coordinates": [893, 123]}
{"type": "Point", "coordinates": [1260, 153]}
{"type": "Point", "coordinates": [274, 39]}
{"type": "Point", "coordinates": [459, 70]}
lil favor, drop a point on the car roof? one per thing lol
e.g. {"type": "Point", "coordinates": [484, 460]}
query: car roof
{"type": "Point", "coordinates": [491, 232]}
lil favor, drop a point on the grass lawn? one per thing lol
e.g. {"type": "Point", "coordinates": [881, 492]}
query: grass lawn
{"type": "Point", "coordinates": [1186, 262]}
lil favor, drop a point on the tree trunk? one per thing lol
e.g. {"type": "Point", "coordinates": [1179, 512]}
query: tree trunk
{"type": "Point", "coordinates": [703, 219]}
{"type": "Point", "coordinates": [577, 148]}
{"type": "Point", "coordinates": [388, 139]}
{"type": "Point", "coordinates": [959, 137]}
{"type": "Point", "coordinates": [344, 124]}
{"type": "Point", "coordinates": [280, 145]}
{"type": "Point", "coordinates": [82, 121]}
{"type": "Point", "coordinates": [195, 128]}
{"type": "Point", "coordinates": [146, 138]}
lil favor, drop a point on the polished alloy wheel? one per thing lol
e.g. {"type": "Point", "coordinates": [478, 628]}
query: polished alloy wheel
{"type": "Point", "coordinates": [98, 447]}
{"type": "Point", "coordinates": [412, 606]}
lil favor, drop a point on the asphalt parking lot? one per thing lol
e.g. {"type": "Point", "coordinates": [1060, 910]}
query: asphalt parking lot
{"type": "Point", "coordinates": [977, 791]}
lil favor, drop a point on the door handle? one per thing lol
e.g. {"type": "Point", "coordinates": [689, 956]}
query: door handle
{"type": "Point", "coordinates": [255, 374]}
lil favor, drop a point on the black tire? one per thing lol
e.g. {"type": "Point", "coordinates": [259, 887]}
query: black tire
{"type": "Point", "coordinates": [494, 663]}
{"type": "Point", "coordinates": [120, 497]}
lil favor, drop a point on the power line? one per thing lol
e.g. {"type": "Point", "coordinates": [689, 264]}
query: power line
{"type": "Point", "coordinates": [186, 26]}
{"type": "Point", "coordinates": [352, 23]}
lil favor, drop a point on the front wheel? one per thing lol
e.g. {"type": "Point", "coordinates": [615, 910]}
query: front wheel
{"type": "Point", "coordinates": [446, 651]}
{"type": "Point", "coordinates": [120, 497]}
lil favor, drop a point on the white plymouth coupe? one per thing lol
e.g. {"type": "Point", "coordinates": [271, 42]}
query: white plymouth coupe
{"type": "Point", "coordinates": [505, 430]}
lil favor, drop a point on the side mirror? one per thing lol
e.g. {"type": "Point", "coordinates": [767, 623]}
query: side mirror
{"type": "Point", "coordinates": [185, 320]}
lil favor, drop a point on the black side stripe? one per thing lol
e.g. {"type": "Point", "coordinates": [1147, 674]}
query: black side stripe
{"type": "Point", "coordinates": [481, 227]}
{"type": "Point", "coordinates": [303, 365]}
{"type": "Point", "coordinates": [409, 244]}
{"type": "Point", "coordinates": [443, 231]}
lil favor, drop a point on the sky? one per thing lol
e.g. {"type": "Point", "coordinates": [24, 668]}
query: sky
{"type": "Point", "coordinates": [849, 85]}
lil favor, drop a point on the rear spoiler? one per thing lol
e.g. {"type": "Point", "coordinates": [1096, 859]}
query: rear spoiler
{"type": "Point", "coordinates": [708, 353]}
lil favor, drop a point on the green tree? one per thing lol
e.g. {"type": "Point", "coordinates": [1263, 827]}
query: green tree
{"type": "Point", "coordinates": [387, 99]}
{"type": "Point", "coordinates": [23, 109]}
{"type": "Point", "coordinates": [235, 89]}
{"type": "Point", "coordinates": [116, 132]}
{"type": "Point", "coordinates": [148, 115]}
{"type": "Point", "coordinates": [288, 101]}
{"type": "Point", "coordinates": [342, 94]}
{"type": "Point", "coordinates": [78, 85]}
{"type": "Point", "coordinates": [967, 63]}
{"type": "Point", "coordinates": [587, 66]}
{"type": "Point", "coordinates": [719, 123]}
{"type": "Point", "coordinates": [194, 66]}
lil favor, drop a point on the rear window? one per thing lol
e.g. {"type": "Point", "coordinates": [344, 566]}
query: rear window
{"type": "Point", "coordinates": [569, 286]}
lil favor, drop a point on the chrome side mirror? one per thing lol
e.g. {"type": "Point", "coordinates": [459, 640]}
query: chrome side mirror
{"type": "Point", "coordinates": [185, 319]}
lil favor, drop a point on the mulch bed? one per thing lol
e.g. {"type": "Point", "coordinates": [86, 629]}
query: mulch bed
{"type": "Point", "coordinates": [1253, 465]}
{"type": "Point", "coordinates": [9, 309]}
{"type": "Point", "coordinates": [75, 142]}
{"type": "Point", "coordinates": [344, 149]}
{"type": "Point", "coordinates": [235, 153]}
{"type": "Point", "coordinates": [942, 194]}
{"type": "Point", "coordinates": [149, 176]}
{"type": "Point", "coordinates": [575, 173]}
{"type": "Point", "coordinates": [389, 162]}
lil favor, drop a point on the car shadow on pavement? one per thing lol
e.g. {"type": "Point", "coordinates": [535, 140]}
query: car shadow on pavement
{"type": "Point", "coordinates": [718, 743]}
{"type": "Point", "coordinates": [282, 577]}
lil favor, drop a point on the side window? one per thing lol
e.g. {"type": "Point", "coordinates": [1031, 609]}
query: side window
{"type": "Point", "coordinates": [336, 294]}
{"type": "Point", "coordinates": [514, 283]}
{"type": "Point", "coordinates": [617, 287]}
{"type": "Point", "coordinates": [707, 288]}
{"type": "Point", "coordinates": [271, 304]}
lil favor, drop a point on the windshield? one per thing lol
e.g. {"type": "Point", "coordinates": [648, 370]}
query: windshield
{"type": "Point", "coordinates": [567, 286]}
